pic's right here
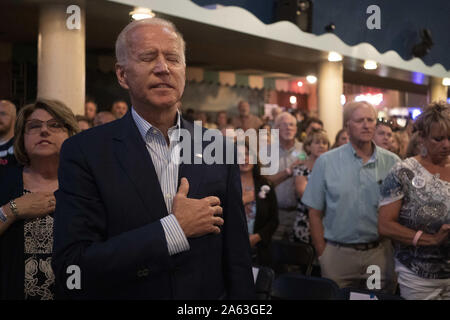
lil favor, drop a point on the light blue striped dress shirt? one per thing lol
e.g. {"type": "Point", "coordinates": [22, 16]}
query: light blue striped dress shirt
{"type": "Point", "coordinates": [164, 161]}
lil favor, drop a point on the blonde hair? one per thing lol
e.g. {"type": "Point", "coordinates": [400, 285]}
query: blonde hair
{"type": "Point", "coordinates": [436, 112]}
{"type": "Point", "coordinates": [57, 109]}
{"type": "Point", "coordinates": [122, 43]}
{"type": "Point", "coordinates": [315, 134]}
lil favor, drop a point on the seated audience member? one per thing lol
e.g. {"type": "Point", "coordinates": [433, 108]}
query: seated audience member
{"type": "Point", "coordinates": [415, 210]}
{"type": "Point", "coordinates": [316, 144]}
{"type": "Point", "coordinates": [119, 108]}
{"type": "Point", "coordinates": [7, 122]}
{"type": "Point", "coordinates": [245, 120]}
{"type": "Point", "coordinates": [90, 109]}
{"type": "Point", "coordinates": [383, 133]}
{"type": "Point", "coordinates": [260, 202]}
{"type": "Point", "coordinates": [341, 138]}
{"type": "Point", "coordinates": [342, 195]}
{"type": "Point", "coordinates": [83, 123]}
{"type": "Point", "coordinates": [103, 117]}
{"type": "Point", "coordinates": [27, 201]}
{"type": "Point", "coordinates": [289, 151]}
{"type": "Point", "coordinates": [222, 120]}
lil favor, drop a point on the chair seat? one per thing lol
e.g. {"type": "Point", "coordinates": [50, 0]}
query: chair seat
{"type": "Point", "coordinates": [293, 286]}
{"type": "Point", "coordinates": [290, 257]}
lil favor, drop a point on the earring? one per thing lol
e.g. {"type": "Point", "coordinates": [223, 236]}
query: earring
{"type": "Point", "coordinates": [423, 151]}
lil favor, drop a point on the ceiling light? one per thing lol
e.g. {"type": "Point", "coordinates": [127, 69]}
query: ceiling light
{"type": "Point", "coordinates": [293, 99]}
{"type": "Point", "coordinates": [370, 65]}
{"type": "Point", "coordinates": [334, 56]}
{"type": "Point", "coordinates": [141, 13]}
{"type": "Point", "coordinates": [300, 84]}
{"type": "Point", "coordinates": [311, 79]}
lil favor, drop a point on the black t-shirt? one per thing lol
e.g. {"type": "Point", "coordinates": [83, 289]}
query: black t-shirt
{"type": "Point", "coordinates": [7, 157]}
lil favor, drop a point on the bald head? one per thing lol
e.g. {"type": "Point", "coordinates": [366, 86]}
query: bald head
{"type": "Point", "coordinates": [7, 119]}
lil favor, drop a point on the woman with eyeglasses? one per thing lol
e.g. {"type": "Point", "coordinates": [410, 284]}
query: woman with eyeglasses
{"type": "Point", "coordinates": [414, 210]}
{"type": "Point", "coordinates": [27, 201]}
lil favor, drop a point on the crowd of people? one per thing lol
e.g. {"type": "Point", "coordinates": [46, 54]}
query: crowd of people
{"type": "Point", "coordinates": [112, 200]}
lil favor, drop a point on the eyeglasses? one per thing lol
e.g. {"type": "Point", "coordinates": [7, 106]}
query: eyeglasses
{"type": "Point", "coordinates": [35, 126]}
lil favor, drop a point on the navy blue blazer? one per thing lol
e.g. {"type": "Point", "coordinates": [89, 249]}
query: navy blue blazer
{"type": "Point", "coordinates": [109, 204]}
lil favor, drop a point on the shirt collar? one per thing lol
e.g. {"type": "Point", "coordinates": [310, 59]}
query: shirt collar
{"type": "Point", "coordinates": [373, 158]}
{"type": "Point", "coordinates": [144, 126]}
{"type": "Point", "coordinates": [297, 145]}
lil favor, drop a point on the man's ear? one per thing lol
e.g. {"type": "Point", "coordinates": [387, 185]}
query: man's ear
{"type": "Point", "coordinates": [121, 76]}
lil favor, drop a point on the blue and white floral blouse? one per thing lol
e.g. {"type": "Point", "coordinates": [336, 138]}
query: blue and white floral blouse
{"type": "Point", "coordinates": [426, 207]}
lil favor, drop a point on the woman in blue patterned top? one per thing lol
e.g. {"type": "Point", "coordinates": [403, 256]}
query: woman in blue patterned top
{"type": "Point", "coordinates": [415, 210]}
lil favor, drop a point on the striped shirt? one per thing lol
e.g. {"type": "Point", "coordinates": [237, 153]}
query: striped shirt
{"type": "Point", "coordinates": [166, 168]}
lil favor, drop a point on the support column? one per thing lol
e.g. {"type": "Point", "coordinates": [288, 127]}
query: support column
{"type": "Point", "coordinates": [61, 56]}
{"type": "Point", "coordinates": [330, 86]}
{"type": "Point", "coordinates": [437, 90]}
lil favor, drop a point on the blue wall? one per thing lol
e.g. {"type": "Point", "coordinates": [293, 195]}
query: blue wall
{"type": "Point", "coordinates": [401, 22]}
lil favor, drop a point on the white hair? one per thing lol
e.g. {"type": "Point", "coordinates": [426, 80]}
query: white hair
{"type": "Point", "coordinates": [280, 117]}
{"type": "Point", "coordinates": [122, 39]}
{"type": "Point", "coordinates": [350, 108]}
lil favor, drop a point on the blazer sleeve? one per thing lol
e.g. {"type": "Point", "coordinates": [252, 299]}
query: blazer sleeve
{"type": "Point", "coordinates": [238, 271]}
{"type": "Point", "coordinates": [81, 237]}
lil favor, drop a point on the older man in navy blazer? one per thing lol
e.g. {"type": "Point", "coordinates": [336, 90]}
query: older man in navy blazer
{"type": "Point", "coordinates": [130, 221]}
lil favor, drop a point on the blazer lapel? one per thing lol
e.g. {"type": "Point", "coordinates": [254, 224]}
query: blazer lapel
{"type": "Point", "coordinates": [134, 158]}
{"type": "Point", "coordinates": [192, 172]}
